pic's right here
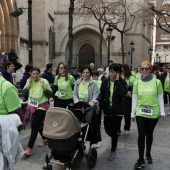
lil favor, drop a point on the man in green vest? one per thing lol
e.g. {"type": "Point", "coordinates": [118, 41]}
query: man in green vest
{"type": "Point", "coordinates": [9, 100]}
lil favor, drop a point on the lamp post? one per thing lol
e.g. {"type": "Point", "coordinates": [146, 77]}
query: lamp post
{"type": "Point", "coordinates": [109, 34]}
{"type": "Point", "coordinates": [158, 58]}
{"type": "Point", "coordinates": [131, 54]}
{"type": "Point", "coordinates": [30, 31]}
{"type": "Point", "coordinates": [19, 12]}
{"type": "Point", "coordinates": [150, 52]}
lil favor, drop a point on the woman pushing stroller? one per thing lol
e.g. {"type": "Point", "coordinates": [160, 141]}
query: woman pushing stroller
{"type": "Point", "coordinates": [86, 90]}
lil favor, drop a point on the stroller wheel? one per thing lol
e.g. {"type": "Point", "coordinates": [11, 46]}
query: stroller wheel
{"type": "Point", "coordinates": [91, 158]}
{"type": "Point", "coordinates": [49, 167]}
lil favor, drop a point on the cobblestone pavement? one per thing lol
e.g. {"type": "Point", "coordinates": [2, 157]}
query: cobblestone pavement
{"type": "Point", "coordinates": [127, 153]}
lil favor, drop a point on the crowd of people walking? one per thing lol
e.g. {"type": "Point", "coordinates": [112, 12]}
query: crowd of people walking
{"type": "Point", "coordinates": [138, 95]}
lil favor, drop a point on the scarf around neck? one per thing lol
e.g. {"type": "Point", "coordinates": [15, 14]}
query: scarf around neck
{"type": "Point", "coordinates": [148, 78]}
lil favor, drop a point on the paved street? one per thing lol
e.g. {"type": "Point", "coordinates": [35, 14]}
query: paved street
{"type": "Point", "coordinates": [127, 151]}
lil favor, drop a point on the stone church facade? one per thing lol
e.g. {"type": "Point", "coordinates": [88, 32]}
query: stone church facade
{"type": "Point", "coordinates": [50, 35]}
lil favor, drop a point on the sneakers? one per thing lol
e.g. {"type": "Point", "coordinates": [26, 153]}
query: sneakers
{"type": "Point", "coordinates": [112, 155]}
{"type": "Point", "coordinates": [168, 113]}
{"type": "Point", "coordinates": [165, 105]}
{"type": "Point", "coordinates": [97, 145]}
{"type": "Point", "coordinates": [139, 164]}
{"type": "Point", "coordinates": [28, 151]}
{"type": "Point", "coordinates": [149, 159]}
{"type": "Point", "coordinates": [127, 132]}
{"type": "Point", "coordinates": [43, 143]}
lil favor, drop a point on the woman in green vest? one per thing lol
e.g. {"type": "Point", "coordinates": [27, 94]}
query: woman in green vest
{"type": "Point", "coordinates": [63, 85]}
{"type": "Point", "coordinates": [86, 90]}
{"type": "Point", "coordinates": [147, 107]}
{"type": "Point", "coordinates": [9, 100]}
{"type": "Point", "coordinates": [127, 76]}
{"type": "Point", "coordinates": [38, 91]}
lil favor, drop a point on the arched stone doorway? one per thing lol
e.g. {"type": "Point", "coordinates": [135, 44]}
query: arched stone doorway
{"type": "Point", "coordinates": [8, 26]}
{"type": "Point", "coordinates": [86, 55]}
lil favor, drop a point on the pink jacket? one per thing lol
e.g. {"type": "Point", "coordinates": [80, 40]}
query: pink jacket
{"type": "Point", "coordinates": [29, 112]}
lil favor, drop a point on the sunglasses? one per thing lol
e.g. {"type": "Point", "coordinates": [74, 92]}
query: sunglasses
{"type": "Point", "coordinates": [146, 69]}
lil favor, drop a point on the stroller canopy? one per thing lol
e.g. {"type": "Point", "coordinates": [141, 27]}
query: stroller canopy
{"type": "Point", "coordinates": [60, 124]}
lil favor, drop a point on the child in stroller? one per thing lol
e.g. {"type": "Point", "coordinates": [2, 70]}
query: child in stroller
{"type": "Point", "coordinates": [67, 131]}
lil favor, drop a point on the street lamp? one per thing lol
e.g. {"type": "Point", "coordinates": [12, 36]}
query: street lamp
{"type": "Point", "coordinates": [131, 54]}
{"type": "Point", "coordinates": [158, 58]}
{"type": "Point", "coordinates": [19, 12]}
{"type": "Point", "coordinates": [150, 52]}
{"type": "Point", "coordinates": [109, 34]}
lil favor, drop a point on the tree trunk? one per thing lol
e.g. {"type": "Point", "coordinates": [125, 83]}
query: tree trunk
{"type": "Point", "coordinates": [122, 46]}
{"type": "Point", "coordinates": [100, 51]}
{"type": "Point", "coordinates": [70, 29]}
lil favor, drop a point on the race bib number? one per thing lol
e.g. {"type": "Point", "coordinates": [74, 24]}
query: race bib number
{"type": "Point", "coordinates": [33, 102]}
{"type": "Point", "coordinates": [146, 110]}
{"type": "Point", "coordinates": [56, 94]}
{"type": "Point", "coordinates": [62, 93]}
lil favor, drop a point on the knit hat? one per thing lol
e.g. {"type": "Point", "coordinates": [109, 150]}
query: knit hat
{"type": "Point", "coordinates": [147, 63]}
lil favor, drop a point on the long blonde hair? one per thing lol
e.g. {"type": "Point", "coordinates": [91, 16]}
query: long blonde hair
{"type": "Point", "coordinates": [66, 71]}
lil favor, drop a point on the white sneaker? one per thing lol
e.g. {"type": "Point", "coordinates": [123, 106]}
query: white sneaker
{"type": "Point", "coordinates": [97, 145]}
{"type": "Point", "coordinates": [168, 113]}
{"type": "Point", "coordinates": [127, 132]}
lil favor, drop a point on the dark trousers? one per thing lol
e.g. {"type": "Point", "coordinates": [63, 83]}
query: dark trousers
{"type": "Point", "coordinates": [99, 117]}
{"type": "Point", "coordinates": [36, 126]}
{"type": "Point", "coordinates": [145, 131]}
{"type": "Point", "coordinates": [112, 125]}
{"type": "Point", "coordinates": [127, 119]}
{"type": "Point", "coordinates": [63, 102]}
{"type": "Point", "coordinates": [166, 96]}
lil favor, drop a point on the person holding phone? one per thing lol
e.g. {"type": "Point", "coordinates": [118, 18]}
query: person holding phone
{"type": "Point", "coordinates": [38, 91]}
{"type": "Point", "coordinates": [112, 93]}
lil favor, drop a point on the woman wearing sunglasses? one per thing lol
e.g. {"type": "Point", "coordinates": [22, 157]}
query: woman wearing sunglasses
{"type": "Point", "coordinates": [147, 103]}
{"type": "Point", "coordinates": [63, 85]}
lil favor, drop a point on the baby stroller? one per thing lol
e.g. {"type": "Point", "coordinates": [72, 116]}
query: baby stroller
{"type": "Point", "coordinates": [66, 136]}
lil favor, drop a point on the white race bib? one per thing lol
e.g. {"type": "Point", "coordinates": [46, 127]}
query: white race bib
{"type": "Point", "coordinates": [146, 110]}
{"type": "Point", "coordinates": [33, 102]}
{"type": "Point", "coordinates": [56, 94]}
{"type": "Point", "coordinates": [62, 93]}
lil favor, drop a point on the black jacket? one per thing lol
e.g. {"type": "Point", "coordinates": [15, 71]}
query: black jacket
{"type": "Point", "coordinates": [13, 57]}
{"type": "Point", "coordinates": [119, 93]}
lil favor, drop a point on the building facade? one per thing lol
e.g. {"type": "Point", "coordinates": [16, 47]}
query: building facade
{"type": "Point", "coordinates": [50, 35]}
{"type": "Point", "coordinates": [162, 50]}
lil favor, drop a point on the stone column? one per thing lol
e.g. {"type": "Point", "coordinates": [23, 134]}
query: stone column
{"type": "Point", "coordinates": [3, 47]}
{"type": "Point", "coordinates": [8, 41]}
{"type": "Point", "coordinates": [14, 41]}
